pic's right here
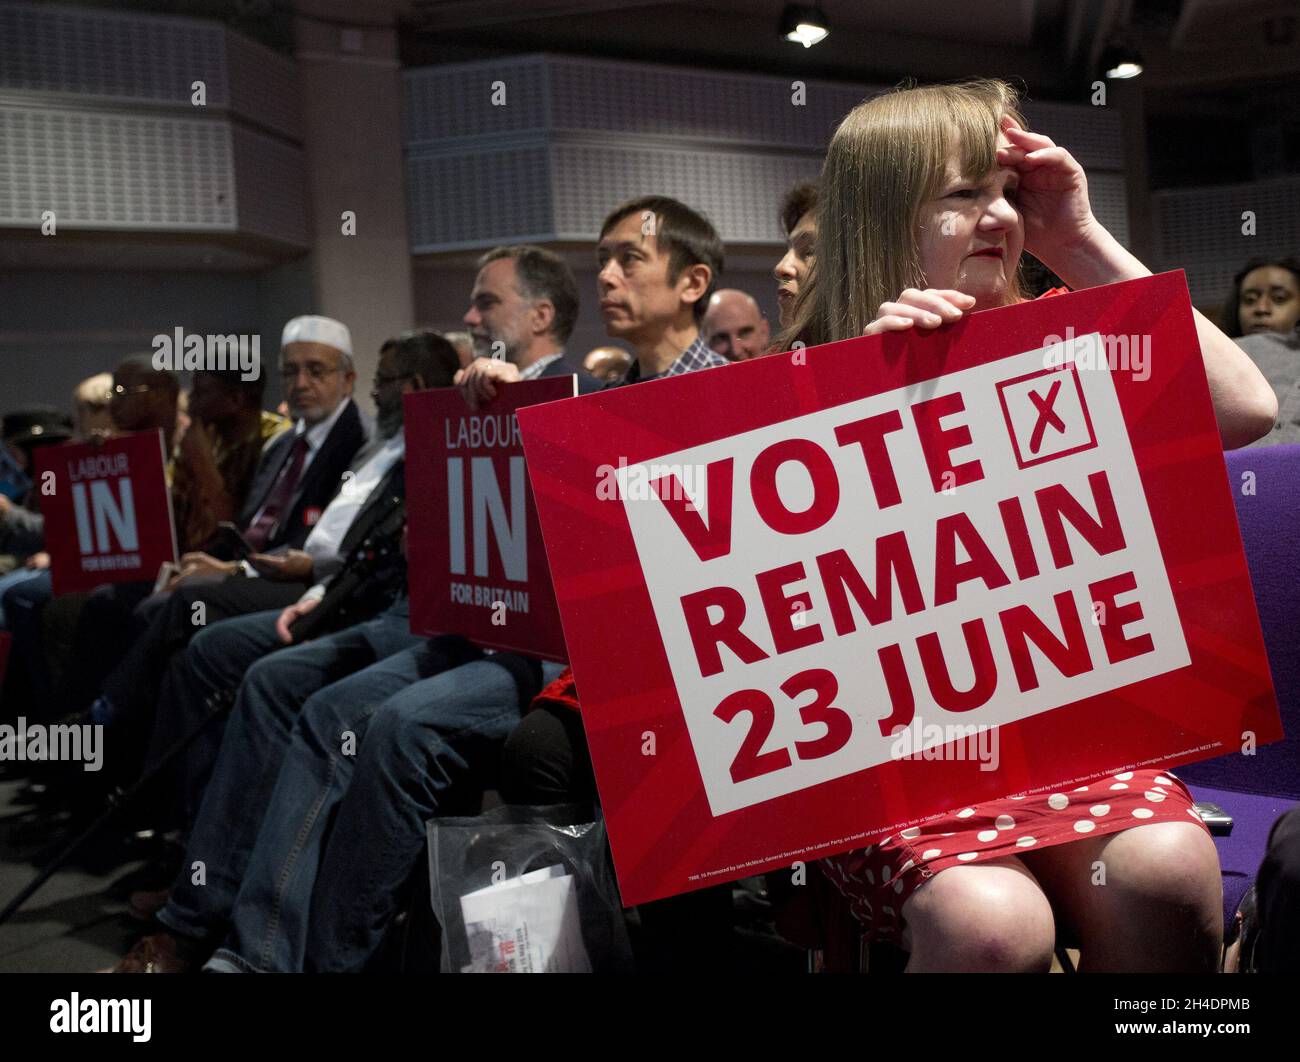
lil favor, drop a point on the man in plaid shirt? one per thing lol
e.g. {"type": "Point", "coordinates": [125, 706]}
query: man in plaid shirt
{"type": "Point", "coordinates": [659, 264]}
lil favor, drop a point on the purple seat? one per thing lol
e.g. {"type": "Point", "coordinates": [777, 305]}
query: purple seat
{"type": "Point", "coordinates": [1256, 790]}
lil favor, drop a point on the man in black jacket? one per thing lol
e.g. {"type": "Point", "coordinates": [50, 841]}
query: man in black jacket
{"type": "Point", "coordinates": [299, 474]}
{"type": "Point", "coordinates": [335, 685]}
{"type": "Point", "coordinates": [369, 584]}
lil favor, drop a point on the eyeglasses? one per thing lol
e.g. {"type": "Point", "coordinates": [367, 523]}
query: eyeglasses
{"type": "Point", "coordinates": [121, 390]}
{"type": "Point", "coordinates": [314, 372]}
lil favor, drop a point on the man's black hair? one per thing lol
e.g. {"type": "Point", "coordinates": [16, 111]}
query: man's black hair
{"type": "Point", "coordinates": [688, 236]}
{"type": "Point", "coordinates": [426, 354]}
{"type": "Point", "coordinates": [798, 201]}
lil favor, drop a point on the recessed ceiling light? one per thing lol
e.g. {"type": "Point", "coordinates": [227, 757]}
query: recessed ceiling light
{"type": "Point", "coordinates": [1120, 62]}
{"type": "Point", "coordinates": [804, 24]}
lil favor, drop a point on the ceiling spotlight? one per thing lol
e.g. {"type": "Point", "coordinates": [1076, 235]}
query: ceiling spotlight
{"type": "Point", "coordinates": [803, 24]}
{"type": "Point", "coordinates": [1120, 61]}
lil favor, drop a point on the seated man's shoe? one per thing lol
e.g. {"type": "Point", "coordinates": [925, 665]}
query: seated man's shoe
{"type": "Point", "coordinates": [156, 953]}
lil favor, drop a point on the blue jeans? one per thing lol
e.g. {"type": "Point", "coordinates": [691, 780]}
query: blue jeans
{"type": "Point", "coordinates": [219, 656]}
{"type": "Point", "coordinates": [326, 902]}
{"type": "Point", "coordinates": [248, 761]}
{"type": "Point", "coordinates": [24, 605]}
{"type": "Point", "coordinates": [18, 575]}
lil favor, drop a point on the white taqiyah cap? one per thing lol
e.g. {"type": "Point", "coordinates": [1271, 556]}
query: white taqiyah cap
{"type": "Point", "coordinates": [313, 329]}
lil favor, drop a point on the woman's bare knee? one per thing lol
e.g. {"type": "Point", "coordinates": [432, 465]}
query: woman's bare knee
{"type": "Point", "coordinates": [991, 918]}
{"type": "Point", "coordinates": [1161, 906]}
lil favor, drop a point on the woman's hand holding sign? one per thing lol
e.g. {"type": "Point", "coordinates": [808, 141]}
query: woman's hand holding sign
{"type": "Point", "coordinates": [478, 381]}
{"type": "Point", "coordinates": [924, 309]}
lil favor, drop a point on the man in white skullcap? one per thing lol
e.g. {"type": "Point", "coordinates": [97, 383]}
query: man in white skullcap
{"type": "Point", "coordinates": [316, 370]}
{"type": "Point", "coordinates": [297, 486]}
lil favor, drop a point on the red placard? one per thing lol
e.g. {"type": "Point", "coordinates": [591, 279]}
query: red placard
{"type": "Point", "coordinates": [476, 564]}
{"type": "Point", "coordinates": [108, 516]}
{"type": "Point", "coordinates": [817, 565]}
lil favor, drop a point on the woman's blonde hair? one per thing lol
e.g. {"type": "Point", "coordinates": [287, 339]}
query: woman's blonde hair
{"type": "Point", "coordinates": [886, 159]}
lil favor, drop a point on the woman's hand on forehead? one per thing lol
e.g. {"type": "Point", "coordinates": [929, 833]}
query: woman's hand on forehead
{"type": "Point", "coordinates": [1052, 195]}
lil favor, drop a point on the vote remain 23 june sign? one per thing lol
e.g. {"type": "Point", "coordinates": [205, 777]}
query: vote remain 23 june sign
{"type": "Point", "coordinates": [476, 563]}
{"type": "Point", "coordinates": [783, 582]}
{"type": "Point", "coordinates": [108, 515]}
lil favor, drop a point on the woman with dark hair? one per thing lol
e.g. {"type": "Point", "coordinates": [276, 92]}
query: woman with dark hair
{"type": "Point", "coordinates": [934, 192]}
{"type": "Point", "coordinates": [1263, 310]}
{"type": "Point", "coordinates": [1265, 297]}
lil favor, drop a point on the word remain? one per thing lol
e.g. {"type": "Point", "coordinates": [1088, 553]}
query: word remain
{"type": "Point", "coordinates": [715, 616]}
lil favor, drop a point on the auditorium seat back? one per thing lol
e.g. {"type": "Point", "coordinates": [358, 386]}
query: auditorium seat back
{"type": "Point", "coordinates": [1270, 530]}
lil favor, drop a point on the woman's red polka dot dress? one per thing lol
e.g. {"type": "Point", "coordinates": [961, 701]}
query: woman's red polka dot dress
{"type": "Point", "coordinates": [878, 880]}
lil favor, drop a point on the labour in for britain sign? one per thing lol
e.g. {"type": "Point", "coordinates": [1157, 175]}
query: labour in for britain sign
{"type": "Point", "coordinates": [108, 515]}
{"type": "Point", "coordinates": [476, 562]}
{"type": "Point", "coordinates": [789, 585]}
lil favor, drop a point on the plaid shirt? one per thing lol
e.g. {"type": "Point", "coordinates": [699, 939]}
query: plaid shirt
{"type": "Point", "coordinates": [696, 356]}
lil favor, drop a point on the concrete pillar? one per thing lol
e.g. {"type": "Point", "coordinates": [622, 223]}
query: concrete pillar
{"type": "Point", "coordinates": [1143, 238]}
{"type": "Point", "coordinates": [349, 74]}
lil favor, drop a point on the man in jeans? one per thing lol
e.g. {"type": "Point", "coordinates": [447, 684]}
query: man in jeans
{"type": "Point", "coordinates": [370, 580]}
{"type": "Point", "coordinates": [659, 262]}
{"type": "Point", "coordinates": [287, 758]}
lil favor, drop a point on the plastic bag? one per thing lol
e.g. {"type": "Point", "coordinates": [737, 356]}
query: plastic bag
{"type": "Point", "coordinates": [526, 890]}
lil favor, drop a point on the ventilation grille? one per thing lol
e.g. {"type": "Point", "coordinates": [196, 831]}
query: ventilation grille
{"type": "Point", "coordinates": [264, 86]}
{"type": "Point", "coordinates": [728, 144]}
{"type": "Point", "coordinates": [456, 100]}
{"type": "Point", "coordinates": [99, 169]}
{"type": "Point", "coordinates": [1093, 135]}
{"type": "Point", "coordinates": [726, 108]}
{"type": "Point", "coordinates": [469, 199]}
{"type": "Point", "coordinates": [1201, 230]}
{"type": "Point", "coordinates": [46, 48]}
{"type": "Point", "coordinates": [739, 192]}
{"type": "Point", "coordinates": [1108, 195]}
{"type": "Point", "coordinates": [270, 177]}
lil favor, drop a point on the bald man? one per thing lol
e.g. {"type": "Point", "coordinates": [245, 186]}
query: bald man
{"type": "Point", "coordinates": [734, 326]}
{"type": "Point", "coordinates": [607, 363]}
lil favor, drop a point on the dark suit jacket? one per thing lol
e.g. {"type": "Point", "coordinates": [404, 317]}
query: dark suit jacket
{"type": "Point", "coordinates": [318, 484]}
{"type": "Point", "coordinates": [374, 570]}
{"type": "Point", "coordinates": [586, 382]}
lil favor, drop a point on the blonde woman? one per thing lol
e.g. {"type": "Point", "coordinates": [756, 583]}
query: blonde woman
{"type": "Point", "coordinates": [934, 192]}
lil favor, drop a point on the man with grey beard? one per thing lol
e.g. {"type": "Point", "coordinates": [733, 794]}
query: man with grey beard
{"type": "Point", "coordinates": [521, 313]}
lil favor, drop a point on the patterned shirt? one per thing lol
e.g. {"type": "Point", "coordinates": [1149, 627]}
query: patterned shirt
{"type": "Point", "coordinates": [696, 356]}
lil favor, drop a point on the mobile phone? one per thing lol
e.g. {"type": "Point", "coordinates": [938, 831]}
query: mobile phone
{"type": "Point", "coordinates": [1218, 820]}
